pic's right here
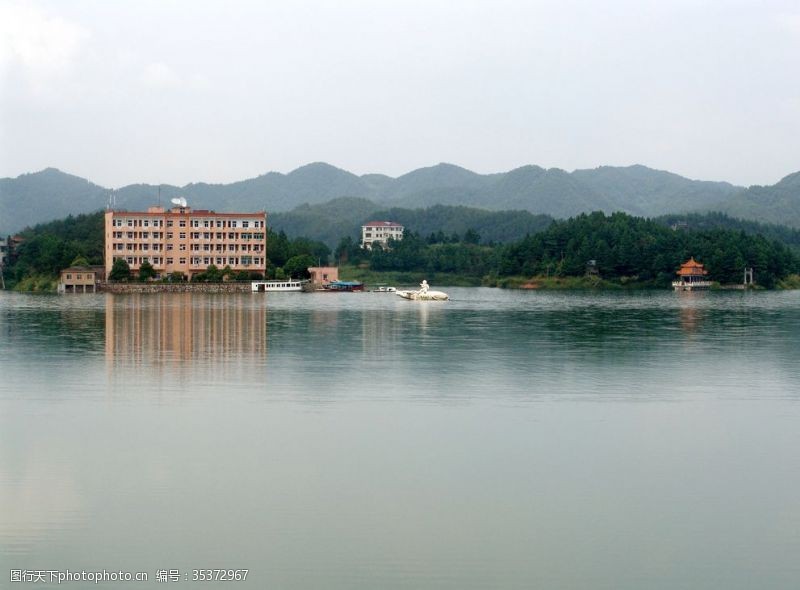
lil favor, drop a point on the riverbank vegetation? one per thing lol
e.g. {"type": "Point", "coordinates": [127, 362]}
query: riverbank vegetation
{"type": "Point", "coordinates": [588, 251]}
{"type": "Point", "coordinates": [601, 250]}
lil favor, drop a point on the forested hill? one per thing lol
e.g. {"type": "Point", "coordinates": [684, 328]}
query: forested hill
{"type": "Point", "coordinates": [778, 203]}
{"type": "Point", "coordinates": [625, 246]}
{"type": "Point", "coordinates": [51, 194]}
{"type": "Point", "coordinates": [715, 220]}
{"type": "Point", "coordinates": [328, 222]}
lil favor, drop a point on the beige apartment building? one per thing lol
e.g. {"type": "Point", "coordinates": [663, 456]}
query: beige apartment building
{"type": "Point", "coordinates": [186, 240]}
{"type": "Point", "coordinates": [380, 232]}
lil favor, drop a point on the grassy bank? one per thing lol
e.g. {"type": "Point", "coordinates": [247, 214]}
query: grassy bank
{"type": "Point", "coordinates": [39, 283]}
{"type": "Point", "coordinates": [372, 278]}
{"type": "Point", "coordinates": [790, 282]}
{"type": "Point", "coordinates": [406, 279]}
{"type": "Point", "coordinates": [563, 283]}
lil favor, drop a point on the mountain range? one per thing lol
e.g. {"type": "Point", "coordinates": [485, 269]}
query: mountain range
{"type": "Point", "coordinates": [639, 190]}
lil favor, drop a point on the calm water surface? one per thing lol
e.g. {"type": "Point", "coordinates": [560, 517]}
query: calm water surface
{"type": "Point", "coordinates": [501, 440]}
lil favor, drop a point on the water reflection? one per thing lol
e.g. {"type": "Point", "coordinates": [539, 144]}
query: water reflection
{"type": "Point", "coordinates": [385, 444]}
{"type": "Point", "coordinates": [184, 332]}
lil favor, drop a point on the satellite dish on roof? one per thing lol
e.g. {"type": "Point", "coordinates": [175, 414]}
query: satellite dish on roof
{"type": "Point", "coordinates": [179, 201]}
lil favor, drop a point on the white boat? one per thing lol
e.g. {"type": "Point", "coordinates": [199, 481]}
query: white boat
{"type": "Point", "coordinates": [384, 289]}
{"type": "Point", "coordinates": [288, 285]}
{"type": "Point", "coordinates": [424, 294]}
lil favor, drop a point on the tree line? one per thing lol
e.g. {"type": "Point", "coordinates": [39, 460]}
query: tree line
{"type": "Point", "coordinates": [622, 247]}
{"type": "Point", "coordinates": [617, 246]}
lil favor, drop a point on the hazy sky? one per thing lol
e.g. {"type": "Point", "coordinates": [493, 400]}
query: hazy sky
{"type": "Point", "coordinates": [183, 91]}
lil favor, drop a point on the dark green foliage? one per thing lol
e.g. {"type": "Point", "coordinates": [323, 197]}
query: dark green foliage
{"type": "Point", "coordinates": [297, 266]}
{"type": "Point", "coordinates": [80, 260]}
{"type": "Point", "coordinates": [211, 274]}
{"type": "Point", "coordinates": [280, 249]}
{"type": "Point", "coordinates": [441, 221]}
{"type": "Point", "coordinates": [146, 271]}
{"type": "Point", "coordinates": [120, 270]}
{"type": "Point", "coordinates": [176, 277]}
{"type": "Point", "coordinates": [415, 254]}
{"type": "Point", "coordinates": [626, 246]}
{"type": "Point", "coordinates": [49, 247]}
{"type": "Point", "coordinates": [715, 220]}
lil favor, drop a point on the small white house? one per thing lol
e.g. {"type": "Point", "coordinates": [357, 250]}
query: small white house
{"type": "Point", "coordinates": [380, 231]}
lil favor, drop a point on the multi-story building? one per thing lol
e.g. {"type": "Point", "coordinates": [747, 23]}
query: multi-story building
{"type": "Point", "coordinates": [3, 252]}
{"type": "Point", "coordinates": [381, 232]}
{"type": "Point", "coordinates": [185, 240]}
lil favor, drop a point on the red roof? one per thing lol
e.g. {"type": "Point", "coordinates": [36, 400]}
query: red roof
{"type": "Point", "coordinates": [382, 224]}
{"type": "Point", "coordinates": [692, 268]}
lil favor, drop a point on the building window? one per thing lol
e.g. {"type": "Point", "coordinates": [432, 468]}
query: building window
{"type": "Point", "coordinates": [169, 246]}
{"type": "Point", "coordinates": [169, 223]}
{"type": "Point", "coordinates": [182, 247]}
{"type": "Point", "coordinates": [169, 260]}
{"type": "Point", "coordinates": [69, 277]}
{"type": "Point", "coordinates": [182, 260]}
{"type": "Point", "coordinates": [182, 223]}
{"type": "Point", "coordinates": [182, 235]}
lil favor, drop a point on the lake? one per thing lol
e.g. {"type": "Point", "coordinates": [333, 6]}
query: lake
{"type": "Point", "coordinates": [504, 439]}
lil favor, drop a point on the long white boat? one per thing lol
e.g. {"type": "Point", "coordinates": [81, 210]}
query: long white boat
{"type": "Point", "coordinates": [273, 286]}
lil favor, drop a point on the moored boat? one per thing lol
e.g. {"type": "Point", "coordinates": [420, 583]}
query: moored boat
{"type": "Point", "coordinates": [288, 285]}
{"type": "Point", "coordinates": [343, 286]}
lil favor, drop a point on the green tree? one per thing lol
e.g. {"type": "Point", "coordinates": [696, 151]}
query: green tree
{"type": "Point", "coordinates": [120, 270]}
{"type": "Point", "coordinates": [472, 237]}
{"type": "Point", "coordinates": [297, 266]}
{"type": "Point", "coordinates": [146, 271]}
{"type": "Point", "coordinates": [79, 260]}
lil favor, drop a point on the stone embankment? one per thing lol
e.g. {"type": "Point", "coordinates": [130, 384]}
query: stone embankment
{"type": "Point", "coordinates": [239, 287]}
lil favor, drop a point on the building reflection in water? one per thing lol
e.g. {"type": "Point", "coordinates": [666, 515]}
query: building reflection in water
{"type": "Point", "coordinates": [691, 315]}
{"type": "Point", "coordinates": [185, 331]}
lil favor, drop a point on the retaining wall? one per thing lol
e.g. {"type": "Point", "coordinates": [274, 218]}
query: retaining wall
{"type": "Point", "coordinates": [239, 287]}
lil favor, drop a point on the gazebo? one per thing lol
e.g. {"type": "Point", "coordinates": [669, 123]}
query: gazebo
{"type": "Point", "coordinates": [691, 277]}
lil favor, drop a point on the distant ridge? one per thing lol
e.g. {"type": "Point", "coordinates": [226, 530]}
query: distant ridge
{"type": "Point", "coordinates": [51, 194]}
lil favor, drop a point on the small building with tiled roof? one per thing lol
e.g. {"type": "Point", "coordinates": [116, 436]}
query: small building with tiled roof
{"type": "Point", "coordinates": [380, 232]}
{"type": "Point", "coordinates": [691, 276]}
{"type": "Point", "coordinates": [81, 279]}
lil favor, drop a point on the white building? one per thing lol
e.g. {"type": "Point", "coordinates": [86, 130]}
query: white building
{"type": "Point", "coordinates": [3, 252]}
{"type": "Point", "coordinates": [380, 231]}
